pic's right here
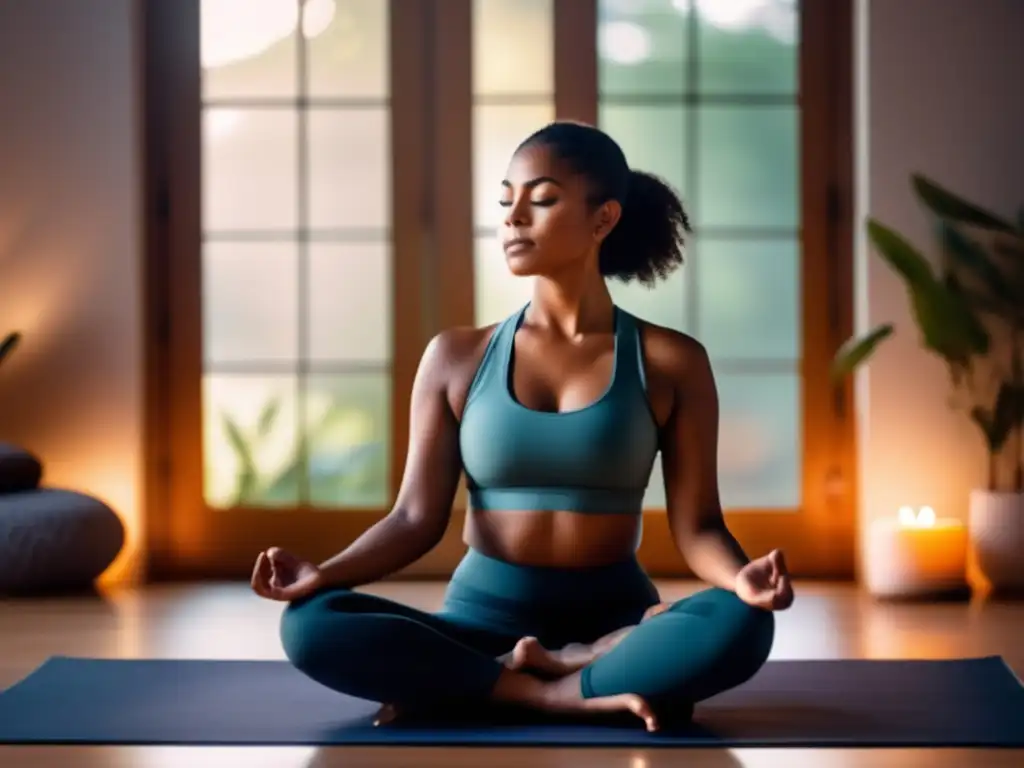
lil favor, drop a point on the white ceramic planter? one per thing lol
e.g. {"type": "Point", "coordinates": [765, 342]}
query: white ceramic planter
{"type": "Point", "coordinates": [997, 535]}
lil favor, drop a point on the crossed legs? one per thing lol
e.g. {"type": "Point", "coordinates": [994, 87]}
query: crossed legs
{"type": "Point", "coordinates": [383, 651]}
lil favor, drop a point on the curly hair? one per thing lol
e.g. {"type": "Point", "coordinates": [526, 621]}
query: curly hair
{"type": "Point", "coordinates": [649, 240]}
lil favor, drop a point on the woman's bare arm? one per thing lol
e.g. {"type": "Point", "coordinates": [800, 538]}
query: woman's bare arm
{"type": "Point", "coordinates": [422, 509]}
{"type": "Point", "coordinates": [689, 452]}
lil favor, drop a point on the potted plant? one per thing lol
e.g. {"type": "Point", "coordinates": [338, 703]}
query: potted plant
{"type": "Point", "coordinates": [970, 313]}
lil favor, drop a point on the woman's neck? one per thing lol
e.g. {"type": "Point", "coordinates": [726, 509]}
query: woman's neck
{"type": "Point", "coordinates": [573, 305]}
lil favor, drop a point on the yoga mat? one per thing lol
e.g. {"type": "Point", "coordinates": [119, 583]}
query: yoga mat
{"type": "Point", "coordinates": [962, 703]}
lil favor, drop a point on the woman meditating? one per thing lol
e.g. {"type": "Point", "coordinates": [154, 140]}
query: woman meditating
{"type": "Point", "coordinates": [555, 415]}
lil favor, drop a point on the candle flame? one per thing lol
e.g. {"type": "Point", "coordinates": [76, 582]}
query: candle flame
{"type": "Point", "coordinates": [924, 518]}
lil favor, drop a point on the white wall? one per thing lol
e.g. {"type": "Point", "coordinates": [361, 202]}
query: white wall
{"type": "Point", "coordinates": [70, 247]}
{"type": "Point", "coordinates": [940, 93]}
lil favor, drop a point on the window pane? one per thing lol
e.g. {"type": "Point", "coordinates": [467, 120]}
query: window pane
{"type": "Point", "coordinates": [664, 305]}
{"type": "Point", "coordinates": [497, 292]}
{"type": "Point", "coordinates": [642, 47]}
{"type": "Point", "coordinates": [248, 48]}
{"type": "Point", "coordinates": [349, 168]}
{"type": "Point", "coordinates": [347, 50]}
{"type": "Point", "coordinates": [749, 299]}
{"type": "Point", "coordinates": [749, 167]}
{"type": "Point", "coordinates": [759, 451]}
{"type": "Point", "coordinates": [250, 302]}
{"type": "Point", "coordinates": [748, 47]}
{"type": "Point", "coordinates": [348, 433]}
{"type": "Point", "coordinates": [513, 47]}
{"type": "Point", "coordinates": [249, 170]}
{"type": "Point", "coordinates": [653, 138]}
{"type": "Point", "coordinates": [250, 440]}
{"type": "Point", "coordinates": [350, 302]}
{"type": "Point", "coordinates": [497, 131]}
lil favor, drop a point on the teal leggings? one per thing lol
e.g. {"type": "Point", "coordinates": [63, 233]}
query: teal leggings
{"type": "Point", "coordinates": [376, 649]}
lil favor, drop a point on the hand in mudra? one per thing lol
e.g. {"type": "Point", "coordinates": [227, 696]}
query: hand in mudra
{"type": "Point", "coordinates": [764, 583]}
{"type": "Point", "coordinates": [280, 575]}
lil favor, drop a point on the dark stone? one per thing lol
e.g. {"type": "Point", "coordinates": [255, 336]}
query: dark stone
{"type": "Point", "coordinates": [19, 469]}
{"type": "Point", "coordinates": [52, 539]}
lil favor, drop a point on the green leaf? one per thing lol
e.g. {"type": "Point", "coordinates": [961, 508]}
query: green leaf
{"type": "Point", "coordinates": [969, 255]}
{"type": "Point", "coordinates": [982, 302]}
{"type": "Point", "coordinates": [1010, 247]}
{"type": "Point", "coordinates": [947, 323]}
{"type": "Point", "coordinates": [267, 417]}
{"type": "Point", "coordinates": [1020, 219]}
{"type": "Point", "coordinates": [983, 419]}
{"type": "Point", "coordinates": [1005, 417]}
{"type": "Point", "coordinates": [856, 351]}
{"type": "Point", "coordinates": [284, 488]}
{"type": "Point", "coordinates": [248, 477]}
{"type": "Point", "coordinates": [946, 320]}
{"type": "Point", "coordinates": [334, 415]}
{"type": "Point", "coordinates": [1011, 252]}
{"type": "Point", "coordinates": [952, 207]}
{"type": "Point", "coordinates": [900, 254]}
{"type": "Point", "coordinates": [8, 344]}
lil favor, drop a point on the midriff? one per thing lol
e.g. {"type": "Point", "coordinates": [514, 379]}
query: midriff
{"type": "Point", "coordinates": [560, 539]}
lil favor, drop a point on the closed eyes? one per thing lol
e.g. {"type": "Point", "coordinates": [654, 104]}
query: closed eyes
{"type": "Point", "coordinates": [546, 203]}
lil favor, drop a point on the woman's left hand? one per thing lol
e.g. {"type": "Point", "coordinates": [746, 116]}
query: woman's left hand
{"type": "Point", "coordinates": [764, 583]}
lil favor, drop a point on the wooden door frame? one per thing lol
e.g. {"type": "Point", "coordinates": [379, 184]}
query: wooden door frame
{"type": "Point", "coordinates": [430, 251]}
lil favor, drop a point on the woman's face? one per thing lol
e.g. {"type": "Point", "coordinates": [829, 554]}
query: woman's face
{"type": "Point", "coordinates": [548, 224]}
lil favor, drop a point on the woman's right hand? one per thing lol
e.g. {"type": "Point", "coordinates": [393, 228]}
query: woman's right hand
{"type": "Point", "coordinates": [280, 575]}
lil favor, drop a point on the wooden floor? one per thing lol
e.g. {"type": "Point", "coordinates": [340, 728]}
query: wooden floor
{"type": "Point", "coordinates": [226, 621]}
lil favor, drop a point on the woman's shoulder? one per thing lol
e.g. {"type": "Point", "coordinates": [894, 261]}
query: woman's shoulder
{"type": "Point", "coordinates": [467, 343]}
{"type": "Point", "coordinates": [453, 354]}
{"type": "Point", "coordinates": [460, 343]}
{"type": "Point", "coordinates": [670, 352]}
{"type": "Point", "coordinates": [451, 360]}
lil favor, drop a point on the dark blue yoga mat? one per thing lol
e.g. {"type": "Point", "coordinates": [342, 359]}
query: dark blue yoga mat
{"type": "Point", "coordinates": [962, 703]}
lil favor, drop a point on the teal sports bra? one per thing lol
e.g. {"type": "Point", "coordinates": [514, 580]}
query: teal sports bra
{"type": "Point", "coordinates": [596, 459]}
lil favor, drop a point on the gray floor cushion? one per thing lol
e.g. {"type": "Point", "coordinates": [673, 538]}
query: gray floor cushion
{"type": "Point", "coordinates": [55, 539]}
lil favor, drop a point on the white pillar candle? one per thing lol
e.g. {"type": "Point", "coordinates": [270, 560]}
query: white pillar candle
{"type": "Point", "coordinates": [916, 554]}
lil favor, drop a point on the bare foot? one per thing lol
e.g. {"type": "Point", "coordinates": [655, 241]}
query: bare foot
{"type": "Point", "coordinates": [385, 715]}
{"type": "Point", "coordinates": [561, 696]}
{"type": "Point", "coordinates": [530, 654]}
{"type": "Point", "coordinates": [564, 696]}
